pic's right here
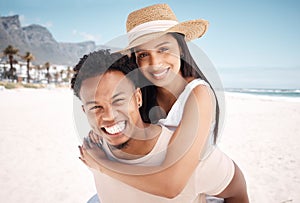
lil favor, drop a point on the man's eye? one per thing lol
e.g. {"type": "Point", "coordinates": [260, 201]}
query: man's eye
{"type": "Point", "coordinates": [95, 107]}
{"type": "Point", "coordinates": [118, 101]}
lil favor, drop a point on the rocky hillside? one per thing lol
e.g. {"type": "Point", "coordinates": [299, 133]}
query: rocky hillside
{"type": "Point", "coordinates": [39, 41]}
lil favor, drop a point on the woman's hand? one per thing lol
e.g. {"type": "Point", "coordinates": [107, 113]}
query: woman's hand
{"type": "Point", "coordinates": [97, 139]}
{"type": "Point", "coordinates": [91, 154]}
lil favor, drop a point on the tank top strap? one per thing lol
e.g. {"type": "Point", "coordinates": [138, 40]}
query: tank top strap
{"type": "Point", "coordinates": [175, 114]}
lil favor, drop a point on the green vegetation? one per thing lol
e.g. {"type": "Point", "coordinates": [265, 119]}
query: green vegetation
{"type": "Point", "coordinates": [11, 85]}
{"type": "Point", "coordinates": [37, 75]}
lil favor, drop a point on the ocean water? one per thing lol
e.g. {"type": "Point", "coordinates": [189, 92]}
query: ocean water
{"type": "Point", "coordinates": [280, 82]}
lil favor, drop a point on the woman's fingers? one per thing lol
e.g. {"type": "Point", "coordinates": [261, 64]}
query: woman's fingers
{"type": "Point", "coordinates": [94, 138]}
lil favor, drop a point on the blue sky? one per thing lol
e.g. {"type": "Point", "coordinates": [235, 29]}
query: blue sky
{"type": "Point", "coordinates": [241, 34]}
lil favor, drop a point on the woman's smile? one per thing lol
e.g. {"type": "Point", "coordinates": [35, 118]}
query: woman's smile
{"type": "Point", "coordinates": [161, 74]}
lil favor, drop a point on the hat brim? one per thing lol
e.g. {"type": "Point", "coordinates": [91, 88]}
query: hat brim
{"type": "Point", "coordinates": [191, 29]}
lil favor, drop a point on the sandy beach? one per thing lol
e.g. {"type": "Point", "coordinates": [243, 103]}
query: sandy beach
{"type": "Point", "coordinates": [39, 154]}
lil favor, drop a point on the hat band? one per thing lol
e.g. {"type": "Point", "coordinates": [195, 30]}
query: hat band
{"type": "Point", "coordinates": [150, 27]}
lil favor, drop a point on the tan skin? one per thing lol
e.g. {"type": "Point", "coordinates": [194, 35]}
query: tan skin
{"type": "Point", "coordinates": [160, 63]}
{"type": "Point", "coordinates": [180, 170]}
{"type": "Point", "coordinates": [109, 100]}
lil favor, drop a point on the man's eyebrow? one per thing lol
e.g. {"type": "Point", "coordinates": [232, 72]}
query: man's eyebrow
{"type": "Point", "coordinates": [90, 102]}
{"type": "Point", "coordinates": [117, 94]}
{"type": "Point", "coordinates": [94, 102]}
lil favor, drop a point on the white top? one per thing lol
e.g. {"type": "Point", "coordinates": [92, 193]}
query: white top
{"type": "Point", "coordinates": [110, 190]}
{"type": "Point", "coordinates": [175, 115]}
{"type": "Point", "coordinates": [212, 175]}
{"type": "Point", "coordinates": [153, 158]}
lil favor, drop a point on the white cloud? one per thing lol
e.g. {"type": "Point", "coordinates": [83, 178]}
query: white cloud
{"type": "Point", "coordinates": [48, 24]}
{"type": "Point", "coordinates": [11, 13]}
{"type": "Point", "coordinates": [87, 36]}
{"type": "Point", "coordinates": [22, 20]}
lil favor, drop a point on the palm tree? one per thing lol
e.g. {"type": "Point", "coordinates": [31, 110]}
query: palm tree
{"type": "Point", "coordinates": [48, 76]}
{"type": "Point", "coordinates": [28, 57]}
{"type": "Point", "coordinates": [10, 51]}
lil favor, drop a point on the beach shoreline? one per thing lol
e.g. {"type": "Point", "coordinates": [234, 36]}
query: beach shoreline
{"type": "Point", "coordinates": [39, 154]}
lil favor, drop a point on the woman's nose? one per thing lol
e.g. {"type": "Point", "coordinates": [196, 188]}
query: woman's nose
{"type": "Point", "coordinates": [155, 60]}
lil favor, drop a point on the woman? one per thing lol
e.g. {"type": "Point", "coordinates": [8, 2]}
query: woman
{"type": "Point", "coordinates": [158, 44]}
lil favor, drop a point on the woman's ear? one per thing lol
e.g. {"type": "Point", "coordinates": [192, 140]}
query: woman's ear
{"type": "Point", "coordinates": [138, 97]}
{"type": "Point", "coordinates": [181, 55]}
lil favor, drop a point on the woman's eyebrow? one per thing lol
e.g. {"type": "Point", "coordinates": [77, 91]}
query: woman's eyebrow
{"type": "Point", "coordinates": [163, 43]}
{"type": "Point", "coordinates": [158, 45]}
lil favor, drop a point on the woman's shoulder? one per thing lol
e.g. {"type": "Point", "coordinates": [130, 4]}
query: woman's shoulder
{"type": "Point", "coordinates": [193, 82]}
{"type": "Point", "coordinates": [204, 93]}
{"type": "Point", "coordinates": [195, 85]}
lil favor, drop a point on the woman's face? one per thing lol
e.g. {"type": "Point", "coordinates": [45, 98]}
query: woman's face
{"type": "Point", "coordinates": [159, 60]}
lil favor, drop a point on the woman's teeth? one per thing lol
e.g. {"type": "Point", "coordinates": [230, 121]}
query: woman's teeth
{"type": "Point", "coordinates": [160, 74]}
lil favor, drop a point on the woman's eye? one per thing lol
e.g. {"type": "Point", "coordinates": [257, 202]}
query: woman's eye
{"type": "Point", "coordinates": [163, 49]}
{"type": "Point", "coordinates": [142, 55]}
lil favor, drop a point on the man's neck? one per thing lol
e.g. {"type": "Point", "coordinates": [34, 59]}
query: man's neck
{"type": "Point", "coordinates": [140, 144]}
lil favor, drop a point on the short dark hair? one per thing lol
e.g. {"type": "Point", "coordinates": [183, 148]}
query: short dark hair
{"type": "Point", "coordinates": [99, 62]}
{"type": "Point", "coordinates": [102, 61]}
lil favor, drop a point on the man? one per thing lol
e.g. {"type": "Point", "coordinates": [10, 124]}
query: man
{"type": "Point", "coordinates": [111, 102]}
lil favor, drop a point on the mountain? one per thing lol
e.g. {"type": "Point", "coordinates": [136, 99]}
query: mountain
{"type": "Point", "coordinates": [40, 42]}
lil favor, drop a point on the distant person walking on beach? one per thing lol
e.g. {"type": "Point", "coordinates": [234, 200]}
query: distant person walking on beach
{"type": "Point", "coordinates": [157, 42]}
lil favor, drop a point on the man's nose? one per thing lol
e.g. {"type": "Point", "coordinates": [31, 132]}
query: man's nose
{"type": "Point", "coordinates": [109, 114]}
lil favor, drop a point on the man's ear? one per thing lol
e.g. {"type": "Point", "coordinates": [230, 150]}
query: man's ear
{"type": "Point", "coordinates": [138, 97]}
{"type": "Point", "coordinates": [83, 108]}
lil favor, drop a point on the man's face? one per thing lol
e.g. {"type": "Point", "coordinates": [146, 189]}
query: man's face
{"type": "Point", "coordinates": [110, 102]}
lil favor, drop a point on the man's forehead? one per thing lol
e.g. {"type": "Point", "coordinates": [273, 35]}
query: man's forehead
{"type": "Point", "coordinates": [106, 85]}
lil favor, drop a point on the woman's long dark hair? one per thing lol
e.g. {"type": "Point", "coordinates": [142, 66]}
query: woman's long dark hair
{"type": "Point", "coordinates": [188, 68]}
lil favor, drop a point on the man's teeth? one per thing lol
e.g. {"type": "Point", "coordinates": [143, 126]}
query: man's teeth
{"type": "Point", "coordinates": [117, 128]}
{"type": "Point", "coordinates": [160, 74]}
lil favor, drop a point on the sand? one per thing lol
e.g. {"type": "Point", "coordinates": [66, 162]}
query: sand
{"type": "Point", "coordinates": [39, 155]}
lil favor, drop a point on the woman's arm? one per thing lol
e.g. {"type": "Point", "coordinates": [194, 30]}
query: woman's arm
{"type": "Point", "coordinates": [188, 142]}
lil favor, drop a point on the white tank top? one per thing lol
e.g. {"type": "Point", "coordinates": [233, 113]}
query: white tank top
{"type": "Point", "coordinates": [154, 158]}
{"type": "Point", "coordinates": [110, 190]}
{"type": "Point", "coordinates": [175, 115]}
{"type": "Point", "coordinates": [211, 176]}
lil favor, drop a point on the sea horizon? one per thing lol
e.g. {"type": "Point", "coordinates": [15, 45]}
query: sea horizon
{"type": "Point", "coordinates": [273, 81]}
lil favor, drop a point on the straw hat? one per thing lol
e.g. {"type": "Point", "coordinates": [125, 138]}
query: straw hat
{"type": "Point", "coordinates": [154, 21]}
